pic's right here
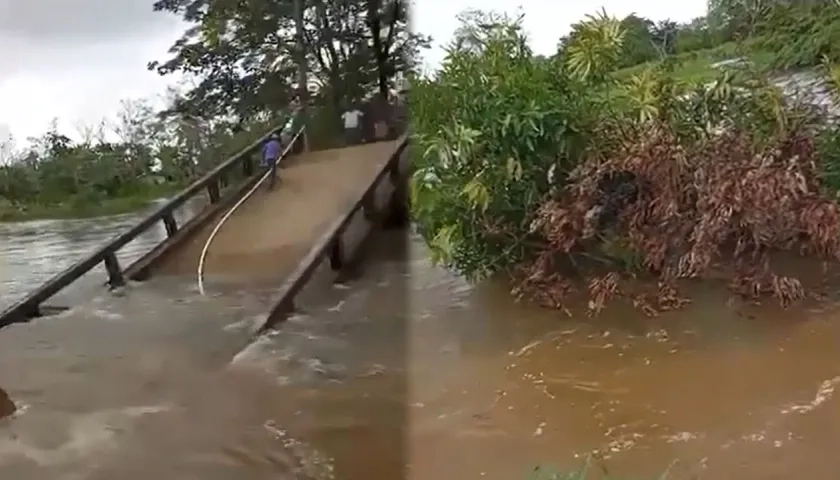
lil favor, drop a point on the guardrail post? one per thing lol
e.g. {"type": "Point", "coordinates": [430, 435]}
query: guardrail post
{"type": "Point", "coordinates": [213, 190]}
{"type": "Point", "coordinates": [394, 173]}
{"type": "Point", "coordinates": [170, 224]}
{"type": "Point", "coordinates": [369, 206]}
{"type": "Point", "coordinates": [294, 148]}
{"type": "Point", "coordinates": [247, 165]}
{"type": "Point", "coordinates": [336, 254]}
{"type": "Point", "coordinates": [399, 213]}
{"type": "Point", "coordinates": [115, 276]}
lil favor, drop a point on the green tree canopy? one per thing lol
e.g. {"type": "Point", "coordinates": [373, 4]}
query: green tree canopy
{"type": "Point", "coordinates": [244, 53]}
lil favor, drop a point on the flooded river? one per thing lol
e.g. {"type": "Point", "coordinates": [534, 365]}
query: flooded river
{"type": "Point", "coordinates": [32, 252]}
{"type": "Point", "coordinates": [411, 372]}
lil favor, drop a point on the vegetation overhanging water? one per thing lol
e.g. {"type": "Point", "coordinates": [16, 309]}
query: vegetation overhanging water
{"type": "Point", "coordinates": [570, 173]}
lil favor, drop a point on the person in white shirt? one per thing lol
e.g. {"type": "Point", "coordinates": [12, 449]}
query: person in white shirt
{"type": "Point", "coordinates": [352, 126]}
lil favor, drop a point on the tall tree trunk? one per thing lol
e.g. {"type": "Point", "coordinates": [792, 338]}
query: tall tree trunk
{"type": "Point", "coordinates": [303, 88]}
{"type": "Point", "coordinates": [379, 49]}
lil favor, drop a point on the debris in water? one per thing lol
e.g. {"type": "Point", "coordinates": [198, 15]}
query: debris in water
{"type": "Point", "coordinates": [659, 335]}
{"type": "Point", "coordinates": [618, 445]}
{"type": "Point", "coordinates": [306, 462]}
{"type": "Point", "coordinates": [539, 430]}
{"type": "Point", "coordinates": [375, 369]}
{"type": "Point", "coordinates": [527, 348]}
{"type": "Point", "coordinates": [682, 437]}
{"type": "Point", "coordinates": [7, 406]}
{"type": "Point", "coordinates": [551, 336]}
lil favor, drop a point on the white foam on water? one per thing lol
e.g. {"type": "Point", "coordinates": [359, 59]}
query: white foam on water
{"type": "Point", "coordinates": [337, 307]}
{"type": "Point", "coordinates": [261, 353]}
{"type": "Point", "coordinates": [298, 318]}
{"type": "Point", "coordinates": [108, 316]}
{"type": "Point", "coordinates": [87, 435]}
{"type": "Point", "coordinates": [770, 434]}
{"type": "Point", "coordinates": [682, 437]}
{"type": "Point", "coordinates": [249, 324]}
{"type": "Point", "coordinates": [823, 394]}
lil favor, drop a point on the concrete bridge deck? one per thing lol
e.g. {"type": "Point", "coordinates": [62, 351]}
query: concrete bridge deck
{"type": "Point", "coordinates": [263, 241]}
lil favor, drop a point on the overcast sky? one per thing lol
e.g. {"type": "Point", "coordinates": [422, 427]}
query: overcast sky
{"type": "Point", "coordinates": [76, 59]}
{"type": "Point", "coordinates": [545, 20]}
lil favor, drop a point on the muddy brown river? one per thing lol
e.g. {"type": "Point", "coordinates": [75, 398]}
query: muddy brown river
{"type": "Point", "coordinates": [411, 372]}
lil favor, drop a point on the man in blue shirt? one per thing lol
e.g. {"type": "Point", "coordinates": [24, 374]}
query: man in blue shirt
{"type": "Point", "coordinates": [270, 156]}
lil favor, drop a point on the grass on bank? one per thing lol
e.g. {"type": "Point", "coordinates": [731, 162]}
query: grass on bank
{"type": "Point", "coordinates": [81, 206]}
{"type": "Point", "coordinates": [697, 66]}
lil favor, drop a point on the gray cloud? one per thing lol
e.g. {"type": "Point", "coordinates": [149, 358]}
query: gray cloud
{"type": "Point", "coordinates": [54, 36]}
{"type": "Point", "coordinates": [75, 59]}
{"type": "Point", "coordinates": [76, 22]}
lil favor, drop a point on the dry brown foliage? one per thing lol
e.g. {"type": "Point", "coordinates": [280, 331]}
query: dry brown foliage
{"type": "Point", "coordinates": [684, 211]}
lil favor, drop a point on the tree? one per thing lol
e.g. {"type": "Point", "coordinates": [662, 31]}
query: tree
{"type": "Point", "coordinates": [695, 35]}
{"type": "Point", "coordinates": [7, 150]}
{"type": "Point", "coordinates": [734, 19]}
{"type": "Point", "coordinates": [638, 44]}
{"type": "Point", "coordinates": [664, 36]}
{"type": "Point", "coordinates": [246, 56]}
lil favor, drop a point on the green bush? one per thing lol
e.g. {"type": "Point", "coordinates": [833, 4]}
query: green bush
{"type": "Point", "coordinates": [515, 155]}
{"type": "Point", "coordinates": [495, 130]}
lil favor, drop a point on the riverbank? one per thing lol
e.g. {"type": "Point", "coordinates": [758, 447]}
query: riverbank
{"type": "Point", "coordinates": [80, 207]}
{"type": "Point", "coordinates": [700, 65]}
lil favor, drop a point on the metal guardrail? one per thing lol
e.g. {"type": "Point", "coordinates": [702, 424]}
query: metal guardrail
{"type": "Point", "coordinates": [30, 306]}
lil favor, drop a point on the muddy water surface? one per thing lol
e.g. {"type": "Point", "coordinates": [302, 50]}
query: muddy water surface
{"type": "Point", "coordinates": [493, 388]}
{"type": "Point", "coordinates": [32, 252]}
{"type": "Point", "coordinates": [409, 370]}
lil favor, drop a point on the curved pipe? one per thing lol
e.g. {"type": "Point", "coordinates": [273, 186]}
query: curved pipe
{"type": "Point", "coordinates": [206, 248]}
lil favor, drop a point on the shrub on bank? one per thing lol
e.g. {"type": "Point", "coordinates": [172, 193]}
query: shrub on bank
{"type": "Point", "coordinates": [560, 173]}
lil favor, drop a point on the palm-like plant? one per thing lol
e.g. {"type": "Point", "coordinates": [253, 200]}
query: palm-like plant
{"type": "Point", "coordinates": [595, 48]}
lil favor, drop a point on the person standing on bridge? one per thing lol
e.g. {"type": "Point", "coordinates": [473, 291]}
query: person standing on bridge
{"type": "Point", "coordinates": [352, 126]}
{"type": "Point", "coordinates": [270, 156]}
